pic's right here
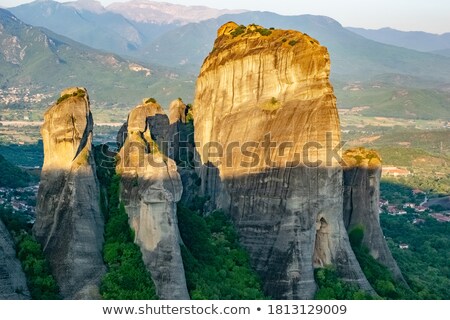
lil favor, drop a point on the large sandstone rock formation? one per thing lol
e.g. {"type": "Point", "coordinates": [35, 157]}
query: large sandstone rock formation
{"type": "Point", "coordinates": [13, 284]}
{"type": "Point", "coordinates": [69, 224]}
{"type": "Point", "coordinates": [151, 187]}
{"type": "Point", "coordinates": [265, 115]}
{"type": "Point", "coordinates": [362, 173]}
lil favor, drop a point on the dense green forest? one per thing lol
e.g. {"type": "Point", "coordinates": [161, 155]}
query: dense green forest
{"type": "Point", "coordinates": [378, 275]}
{"type": "Point", "coordinates": [425, 264]}
{"type": "Point", "coordinates": [12, 176]}
{"type": "Point", "coordinates": [127, 277]}
{"type": "Point", "coordinates": [216, 266]}
{"type": "Point", "coordinates": [27, 155]}
{"type": "Point", "coordinates": [332, 287]}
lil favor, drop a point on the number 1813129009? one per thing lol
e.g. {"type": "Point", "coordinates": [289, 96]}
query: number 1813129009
{"type": "Point", "coordinates": [307, 309]}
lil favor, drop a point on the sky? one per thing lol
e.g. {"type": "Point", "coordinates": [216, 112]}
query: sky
{"type": "Point", "coordinates": [408, 15]}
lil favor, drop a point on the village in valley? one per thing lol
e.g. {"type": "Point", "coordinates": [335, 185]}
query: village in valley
{"type": "Point", "coordinates": [20, 200]}
{"type": "Point", "coordinates": [417, 208]}
{"type": "Point", "coordinates": [413, 208]}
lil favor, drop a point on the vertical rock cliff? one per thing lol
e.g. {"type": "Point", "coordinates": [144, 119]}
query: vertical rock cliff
{"type": "Point", "coordinates": [362, 173]}
{"type": "Point", "coordinates": [151, 187]}
{"type": "Point", "coordinates": [13, 284]}
{"type": "Point", "coordinates": [182, 147]}
{"type": "Point", "coordinates": [267, 132]}
{"type": "Point", "coordinates": [177, 120]}
{"type": "Point", "coordinates": [69, 224]}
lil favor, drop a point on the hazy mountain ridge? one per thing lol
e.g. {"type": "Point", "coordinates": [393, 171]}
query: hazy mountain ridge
{"type": "Point", "coordinates": [164, 13]}
{"type": "Point", "coordinates": [36, 58]}
{"type": "Point", "coordinates": [351, 54]}
{"type": "Point", "coordinates": [88, 24]}
{"type": "Point", "coordinates": [120, 27]}
{"type": "Point", "coordinates": [365, 73]}
{"type": "Point", "coordinates": [415, 40]}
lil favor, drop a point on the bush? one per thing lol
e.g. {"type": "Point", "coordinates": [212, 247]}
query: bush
{"type": "Point", "coordinates": [331, 287]}
{"type": "Point", "coordinates": [79, 93]}
{"type": "Point", "coordinates": [238, 31]}
{"type": "Point", "coordinates": [63, 98]}
{"type": "Point", "coordinates": [356, 236]}
{"type": "Point", "coordinates": [264, 32]}
{"type": "Point", "coordinates": [293, 42]}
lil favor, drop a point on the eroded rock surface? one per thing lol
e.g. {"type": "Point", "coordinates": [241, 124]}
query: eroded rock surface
{"type": "Point", "coordinates": [151, 187]}
{"type": "Point", "coordinates": [13, 284]}
{"type": "Point", "coordinates": [362, 175]}
{"type": "Point", "coordinates": [264, 98]}
{"type": "Point", "coordinates": [69, 224]}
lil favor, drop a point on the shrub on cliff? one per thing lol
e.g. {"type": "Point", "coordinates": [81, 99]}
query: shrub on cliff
{"type": "Point", "coordinates": [238, 31]}
{"type": "Point", "coordinates": [264, 32]}
{"type": "Point", "coordinates": [79, 93]}
{"type": "Point", "coordinates": [150, 100]}
{"type": "Point", "coordinates": [331, 287]}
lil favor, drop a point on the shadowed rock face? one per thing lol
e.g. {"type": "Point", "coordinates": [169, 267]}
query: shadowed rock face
{"type": "Point", "coordinates": [182, 148]}
{"type": "Point", "coordinates": [151, 187]}
{"type": "Point", "coordinates": [362, 175]}
{"type": "Point", "coordinates": [177, 119]}
{"type": "Point", "coordinates": [13, 284]}
{"type": "Point", "coordinates": [69, 224]}
{"type": "Point", "coordinates": [268, 92]}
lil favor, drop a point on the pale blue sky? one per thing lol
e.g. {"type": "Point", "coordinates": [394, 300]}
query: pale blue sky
{"type": "Point", "coordinates": [424, 15]}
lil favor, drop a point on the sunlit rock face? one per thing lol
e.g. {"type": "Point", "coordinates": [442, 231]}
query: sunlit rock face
{"type": "Point", "coordinates": [362, 173]}
{"type": "Point", "coordinates": [13, 284]}
{"type": "Point", "coordinates": [69, 224]}
{"type": "Point", "coordinates": [266, 129]}
{"type": "Point", "coordinates": [150, 189]}
{"type": "Point", "coordinates": [177, 111]}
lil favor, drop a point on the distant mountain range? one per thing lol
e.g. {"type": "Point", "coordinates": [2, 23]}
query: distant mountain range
{"type": "Point", "coordinates": [146, 11]}
{"type": "Point", "coordinates": [351, 54]}
{"type": "Point", "coordinates": [89, 23]}
{"type": "Point", "coordinates": [389, 79]}
{"type": "Point", "coordinates": [415, 40]}
{"type": "Point", "coordinates": [120, 27]}
{"type": "Point", "coordinates": [41, 61]}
